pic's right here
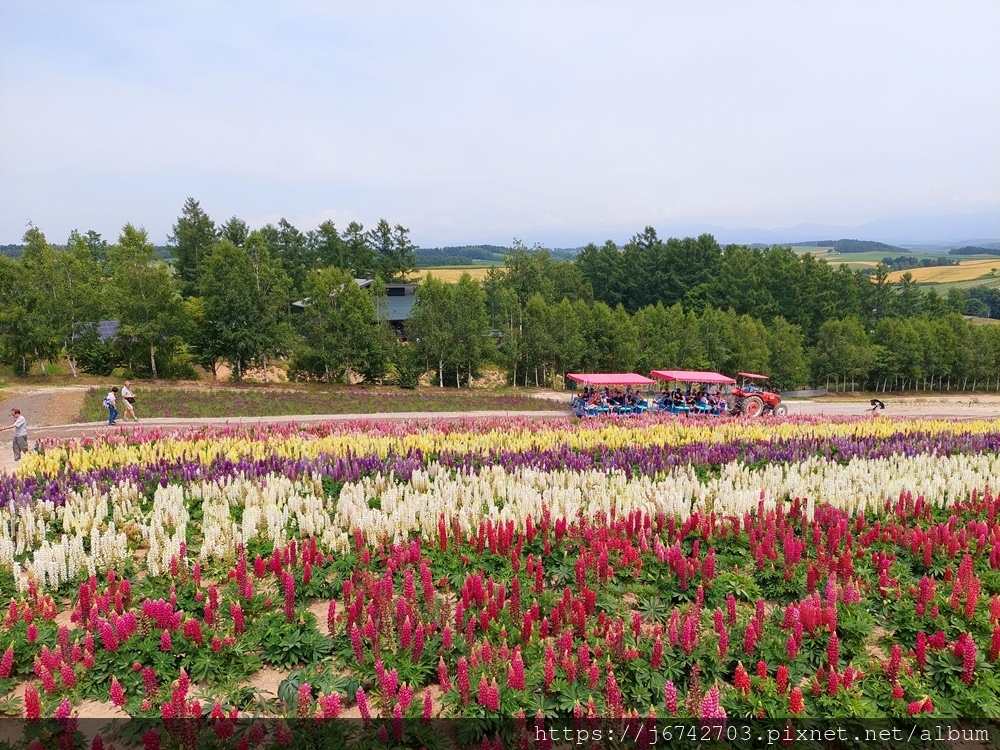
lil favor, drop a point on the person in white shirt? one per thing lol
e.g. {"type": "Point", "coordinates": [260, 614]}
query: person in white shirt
{"type": "Point", "coordinates": [20, 428]}
{"type": "Point", "coordinates": [111, 401]}
{"type": "Point", "coordinates": [128, 398]}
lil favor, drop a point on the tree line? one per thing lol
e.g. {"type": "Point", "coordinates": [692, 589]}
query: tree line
{"type": "Point", "coordinates": [676, 303]}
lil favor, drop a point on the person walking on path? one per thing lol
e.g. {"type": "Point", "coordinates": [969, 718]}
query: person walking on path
{"type": "Point", "coordinates": [129, 399]}
{"type": "Point", "coordinates": [110, 402]}
{"type": "Point", "coordinates": [20, 428]}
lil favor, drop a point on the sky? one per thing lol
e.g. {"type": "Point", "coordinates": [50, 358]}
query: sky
{"type": "Point", "coordinates": [552, 122]}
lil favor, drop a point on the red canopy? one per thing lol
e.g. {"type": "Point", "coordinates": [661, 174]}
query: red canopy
{"type": "Point", "coordinates": [627, 378]}
{"type": "Point", "coordinates": [691, 376]}
{"type": "Point", "coordinates": [752, 375]}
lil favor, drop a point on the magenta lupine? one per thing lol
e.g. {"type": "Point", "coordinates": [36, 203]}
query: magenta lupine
{"type": "Point", "coordinates": [549, 668]}
{"type": "Point", "coordinates": [165, 641]}
{"type": "Point", "coordinates": [428, 706]}
{"type": "Point", "coordinates": [781, 679]}
{"type": "Point", "coordinates": [43, 673]}
{"type": "Point", "coordinates": [464, 688]}
{"type": "Point", "coordinates": [897, 691]}
{"type": "Point", "coordinates": [288, 583]}
{"type": "Point", "coordinates": [303, 703]}
{"type": "Point", "coordinates": [331, 616]}
{"type": "Point", "coordinates": [443, 678]}
{"type": "Point", "coordinates": [833, 651]}
{"type": "Point", "coordinates": [67, 675]}
{"type": "Point", "coordinates": [968, 658]}
{"type": "Point", "coordinates": [356, 645]}
{"type": "Point", "coordinates": [657, 657]}
{"type": "Point", "coordinates": [7, 662]}
{"type": "Point", "coordinates": [895, 660]}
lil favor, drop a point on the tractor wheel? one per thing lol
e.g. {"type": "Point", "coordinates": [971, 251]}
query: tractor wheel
{"type": "Point", "coordinates": [753, 406]}
{"type": "Point", "coordinates": [780, 410]}
{"type": "Point", "coordinates": [734, 405]}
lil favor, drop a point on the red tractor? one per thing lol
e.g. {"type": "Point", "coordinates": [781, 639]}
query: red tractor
{"type": "Point", "coordinates": [753, 400]}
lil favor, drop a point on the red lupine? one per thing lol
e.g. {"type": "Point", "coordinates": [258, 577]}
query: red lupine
{"type": "Point", "coordinates": [781, 679]}
{"type": "Point", "coordinates": [428, 706]}
{"type": "Point", "coordinates": [657, 657]}
{"type": "Point", "coordinates": [117, 692]}
{"type": "Point", "coordinates": [32, 704]}
{"type": "Point", "coordinates": [741, 680]}
{"type": "Point", "coordinates": [515, 675]}
{"type": "Point", "coordinates": [796, 705]}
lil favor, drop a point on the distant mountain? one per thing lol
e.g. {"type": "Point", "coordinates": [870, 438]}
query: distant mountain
{"type": "Point", "coordinates": [854, 246]}
{"type": "Point", "coordinates": [940, 231]}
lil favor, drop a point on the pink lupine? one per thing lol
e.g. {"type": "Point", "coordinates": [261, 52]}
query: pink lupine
{"type": "Point", "coordinates": [363, 704]}
{"type": "Point", "coordinates": [67, 675]}
{"type": "Point", "coordinates": [670, 697]}
{"type": "Point", "coordinates": [710, 708]}
{"type": "Point", "coordinates": [165, 641]}
{"type": "Point", "coordinates": [781, 679]}
{"type": "Point", "coordinates": [331, 616]}
{"type": "Point", "coordinates": [64, 711]}
{"type": "Point", "coordinates": [117, 693]}
{"type": "Point", "coordinates": [482, 691]}
{"type": "Point", "coordinates": [897, 691]}
{"type": "Point", "coordinates": [149, 682]}
{"type": "Point", "coordinates": [493, 697]}
{"type": "Point", "coordinates": [32, 633]}
{"type": "Point", "coordinates": [330, 704]}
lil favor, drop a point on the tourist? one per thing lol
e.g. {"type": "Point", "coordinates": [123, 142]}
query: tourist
{"type": "Point", "coordinates": [20, 428]}
{"type": "Point", "coordinates": [129, 400]}
{"type": "Point", "coordinates": [110, 403]}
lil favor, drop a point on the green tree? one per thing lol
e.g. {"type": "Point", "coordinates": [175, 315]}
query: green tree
{"type": "Point", "coordinates": [471, 326]}
{"type": "Point", "coordinates": [245, 292]}
{"type": "Point", "coordinates": [235, 230]}
{"type": "Point", "coordinates": [787, 362]}
{"type": "Point", "coordinates": [193, 236]}
{"type": "Point", "coordinates": [327, 247]}
{"type": "Point", "coordinates": [338, 324]}
{"type": "Point", "coordinates": [143, 297]}
{"type": "Point", "coordinates": [431, 327]}
{"type": "Point", "coordinates": [359, 256]}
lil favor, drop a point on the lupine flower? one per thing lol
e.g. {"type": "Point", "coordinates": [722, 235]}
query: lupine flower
{"type": "Point", "coordinates": [7, 662]}
{"type": "Point", "coordinates": [670, 697]}
{"type": "Point", "coordinates": [741, 680]}
{"type": "Point", "coordinates": [796, 705]}
{"type": "Point", "coordinates": [515, 675]}
{"type": "Point", "coordinates": [117, 692]}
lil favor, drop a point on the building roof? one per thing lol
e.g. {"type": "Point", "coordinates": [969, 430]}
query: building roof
{"type": "Point", "coordinates": [399, 308]}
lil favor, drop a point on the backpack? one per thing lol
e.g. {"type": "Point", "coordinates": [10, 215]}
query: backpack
{"type": "Point", "coordinates": [106, 404]}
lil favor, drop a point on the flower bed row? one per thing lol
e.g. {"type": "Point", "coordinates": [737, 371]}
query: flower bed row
{"type": "Point", "coordinates": [847, 568]}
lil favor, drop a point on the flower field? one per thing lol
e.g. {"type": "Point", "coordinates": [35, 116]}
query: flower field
{"type": "Point", "coordinates": [489, 569]}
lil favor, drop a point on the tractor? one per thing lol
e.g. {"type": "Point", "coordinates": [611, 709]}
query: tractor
{"type": "Point", "coordinates": [753, 400]}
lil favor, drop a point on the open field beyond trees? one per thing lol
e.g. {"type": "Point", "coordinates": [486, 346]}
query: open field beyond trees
{"type": "Point", "coordinates": [815, 566]}
{"type": "Point", "coordinates": [966, 271]}
{"type": "Point", "coordinates": [452, 274]}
